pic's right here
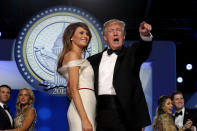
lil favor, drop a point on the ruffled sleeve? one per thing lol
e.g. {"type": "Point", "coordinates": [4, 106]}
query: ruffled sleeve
{"type": "Point", "coordinates": [74, 63]}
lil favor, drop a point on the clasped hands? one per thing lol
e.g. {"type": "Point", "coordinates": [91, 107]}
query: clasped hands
{"type": "Point", "coordinates": [188, 124]}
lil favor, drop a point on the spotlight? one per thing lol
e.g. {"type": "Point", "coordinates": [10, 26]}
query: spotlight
{"type": "Point", "coordinates": [179, 79]}
{"type": "Point", "coordinates": [0, 34]}
{"type": "Point", "coordinates": [189, 66]}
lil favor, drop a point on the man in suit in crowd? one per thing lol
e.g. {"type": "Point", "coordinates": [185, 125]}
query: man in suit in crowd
{"type": "Point", "coordinates": [121, 104]}
{"type": "Point", "coordinates": [6, 121]}
{"type": "Point", "coordinates": [182, 114]}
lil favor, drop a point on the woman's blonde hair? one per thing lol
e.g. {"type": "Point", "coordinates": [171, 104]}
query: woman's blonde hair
{"type": "Point", "coordinates": [67, 43]}
{"type": "Point", "coordinates": [30, 103]}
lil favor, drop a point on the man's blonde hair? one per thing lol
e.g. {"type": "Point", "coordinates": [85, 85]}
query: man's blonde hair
{"type": "Point", "coordinates": [114, 21]}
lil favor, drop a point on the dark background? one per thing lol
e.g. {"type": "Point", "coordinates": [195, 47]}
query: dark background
{"type": "Point", "coordinates": [174, 20]}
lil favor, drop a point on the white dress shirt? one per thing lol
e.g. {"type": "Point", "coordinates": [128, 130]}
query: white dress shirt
{"type": "Point", "coordinates": [9, 115]}
{"type": "Point", "coordinates": [179, 119]}
{"type": "Point", "coordinates": [106, 71]}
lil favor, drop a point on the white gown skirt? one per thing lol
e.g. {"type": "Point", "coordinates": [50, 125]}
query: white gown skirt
{"type": "Point", "coordinates": [89, 103]}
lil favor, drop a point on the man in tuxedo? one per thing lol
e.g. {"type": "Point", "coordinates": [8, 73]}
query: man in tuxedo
{"type": "Point", "coordinates": [6, 121]}
{"type": "Point", "coordinates": [121, 104]}
{"type": "Point", "coordinates": [182, 114]}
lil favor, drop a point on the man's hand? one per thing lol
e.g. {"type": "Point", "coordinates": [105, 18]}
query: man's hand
{"type": "Point", "coordinates": [145, 28]}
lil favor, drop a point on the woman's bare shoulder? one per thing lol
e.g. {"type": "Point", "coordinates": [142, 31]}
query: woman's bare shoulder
{"type": "Point", "coordinates": [31, 111]}
{"type": "Point", "coordinates": [70, 56]}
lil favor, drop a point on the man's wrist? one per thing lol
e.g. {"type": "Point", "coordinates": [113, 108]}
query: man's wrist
{"type": "Point", "coordinates": [149, 37]}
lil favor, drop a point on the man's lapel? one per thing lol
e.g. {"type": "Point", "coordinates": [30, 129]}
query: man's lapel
{"type": "Point", "coordinates": [118, 61]}
{"type": "Point", "coordinates": [97, 62]}
{"type": "Point", "coordinates": [5, 115]}
{"type": "Point", "coordinates": [186, 116]}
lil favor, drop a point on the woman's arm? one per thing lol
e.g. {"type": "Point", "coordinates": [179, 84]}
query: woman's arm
{"type": "Point", "coordinates": [29, 117]}
{"type": "Point", "coordinates": [187, 125]}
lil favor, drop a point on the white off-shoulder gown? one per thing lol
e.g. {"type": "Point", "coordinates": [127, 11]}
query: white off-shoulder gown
{"type": "Point", "coordinates": [86, 87]}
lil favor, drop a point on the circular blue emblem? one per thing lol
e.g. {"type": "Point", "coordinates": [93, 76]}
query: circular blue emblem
{"type": "Point", "coordinates": [40, 41]}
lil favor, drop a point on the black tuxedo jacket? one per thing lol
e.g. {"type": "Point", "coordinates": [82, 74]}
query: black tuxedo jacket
{"type": "Point", "coordinates": [4, 120]}
{"type": "Point", "coordinates": [190, 114]}
{"type": "Point", "coordinates": [127, 83]}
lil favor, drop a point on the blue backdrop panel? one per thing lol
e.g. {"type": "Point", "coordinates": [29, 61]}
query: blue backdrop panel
{"type": "Point", "coordinates": [163, 58]}
{"type": "Point", "coordinates": [191, 100]}
{"type": "Point", "coordinates": [146, 78]}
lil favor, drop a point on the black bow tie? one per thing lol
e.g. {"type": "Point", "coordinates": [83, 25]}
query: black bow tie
{"type": "Point", "coordinates": [110, 51]}
{"type": "Point", "coordinates": [177, 114]}
{"type": "Point", "coordinates": [6, 107]}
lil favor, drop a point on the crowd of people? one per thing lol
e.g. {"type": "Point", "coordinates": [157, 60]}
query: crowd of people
{"type": "Point", "coordinates": [105, 89]}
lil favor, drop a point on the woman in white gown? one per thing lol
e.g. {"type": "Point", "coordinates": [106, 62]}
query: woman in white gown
{"type": "Point", "coordinates": [80, 76]}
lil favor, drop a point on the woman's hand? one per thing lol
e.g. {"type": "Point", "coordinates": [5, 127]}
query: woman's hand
{"type": "Point", "coordinates": [68, 93]}
{"type": "Point", "coordinates": [86, 125]}
{"type": "Point", "coordinates": [188, 124]}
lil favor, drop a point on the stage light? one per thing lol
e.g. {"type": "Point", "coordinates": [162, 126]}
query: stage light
{"type": "Point", "coordinates": [0, 34]}
{"type": "Point", "coordinates": [179, 79]}
{"type": "Point", "coordinates": [189, 66]}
